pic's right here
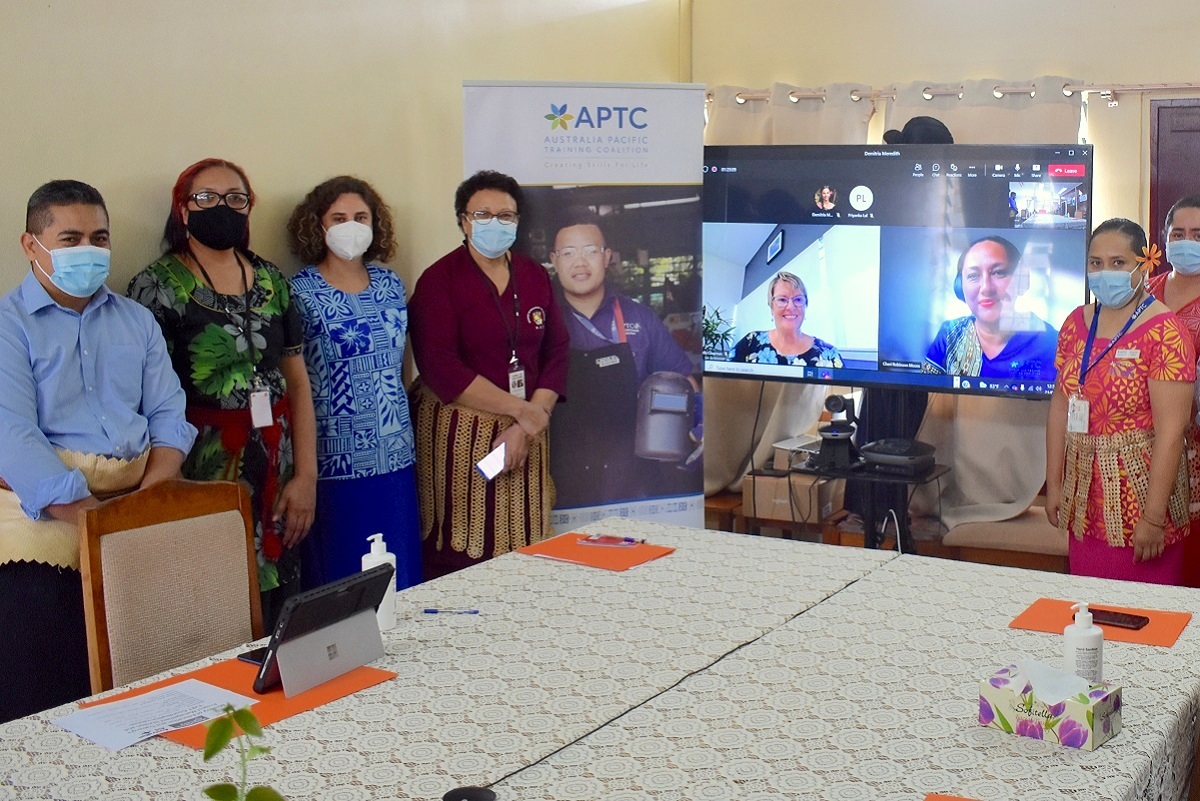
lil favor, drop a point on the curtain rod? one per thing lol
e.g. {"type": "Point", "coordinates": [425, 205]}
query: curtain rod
{"type": "Point", "coordinates": [1107, 91]}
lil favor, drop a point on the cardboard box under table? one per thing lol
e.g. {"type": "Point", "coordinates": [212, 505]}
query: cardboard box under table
{"type": "Point", "coordinates": [791, 497]}
{"type": "Point", "coordinates": [1087, 721]}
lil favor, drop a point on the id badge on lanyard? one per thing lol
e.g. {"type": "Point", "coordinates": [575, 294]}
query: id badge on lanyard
{"type": "Point", "coordinates": [516, 377]}
{"type": "Point", "coordinates": [1077, 414]}
{"type": "Point", "coordinates": [260, 407]}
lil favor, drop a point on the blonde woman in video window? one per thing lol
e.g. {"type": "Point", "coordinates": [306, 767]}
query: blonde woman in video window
{"type": "Point", "coordinates": [786, 343]}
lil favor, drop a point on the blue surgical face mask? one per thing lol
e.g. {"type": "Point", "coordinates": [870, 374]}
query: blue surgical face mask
{"type": "Point", "coordinates": [493, 238]}
{"type": "Point", "coordinates": [79, 271]}
{"type": "Point", "coordinates": [1184, 255]}
{"type": "Point", "coordinates": [1112, 287]}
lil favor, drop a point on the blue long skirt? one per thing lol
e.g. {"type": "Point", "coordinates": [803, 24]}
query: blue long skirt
{"type": "Point", "coordinates": [351, 509]}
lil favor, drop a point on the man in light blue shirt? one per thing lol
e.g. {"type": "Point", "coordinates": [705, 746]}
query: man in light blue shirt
{"type": "Point", "coordinates": [90, 406]}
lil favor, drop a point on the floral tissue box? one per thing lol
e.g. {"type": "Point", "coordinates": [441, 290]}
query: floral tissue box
{"type": "Point", "coordinates": [1087, 720]}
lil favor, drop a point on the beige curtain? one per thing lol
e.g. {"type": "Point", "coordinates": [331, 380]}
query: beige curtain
{"type": "Point", "coordinates": [1046, 116]}
{"type": "Point", "coordinates": [730, 405]}
{"type": "Point", "coordinates": [996, 446]}
{"type": "Point", "coordinates": [733, 121]}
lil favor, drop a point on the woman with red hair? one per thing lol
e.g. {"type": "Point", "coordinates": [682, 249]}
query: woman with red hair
{"type": "Point", "coordinates": [235, 340]}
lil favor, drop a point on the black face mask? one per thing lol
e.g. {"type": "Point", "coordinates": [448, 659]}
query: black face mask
{"type": "Point", "coordinates": [219, 228]}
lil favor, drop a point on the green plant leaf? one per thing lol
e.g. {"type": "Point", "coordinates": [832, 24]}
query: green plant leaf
{"type": "Point", "coordinates": [221, 792]}
{"type": "Point", "coordinates": [245, 718]}
{"type": "Point", "coordinates": [257, 751]}
{"type": "Point", "coordinates": [263, 794]}
{"type": "Point", "coordinates": [220, 732]}
{"type": "Point", "coordinates": [1004, 724]}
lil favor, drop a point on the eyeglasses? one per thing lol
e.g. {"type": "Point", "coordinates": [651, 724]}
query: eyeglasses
{"type": "Point", "coordinates": [234, 200]}
{"type": "Point", "coordinates": [782, 303]}
{"type": "Point", "coordinates": [588, 251]}
{"type": "Point", "coordinates": [485, 217]}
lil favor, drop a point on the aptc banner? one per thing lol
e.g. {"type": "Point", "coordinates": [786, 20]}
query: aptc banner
{"type": "Point", "coordinates": [612, 176]}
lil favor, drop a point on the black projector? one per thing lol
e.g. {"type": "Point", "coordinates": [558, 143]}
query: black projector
{"type": "Point", "coordinates": [904, 457]}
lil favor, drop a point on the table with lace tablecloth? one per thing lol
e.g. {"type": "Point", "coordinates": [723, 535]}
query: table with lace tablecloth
{"type": "Point", "coordinates": [872, 695]}
{"type": "Point", "coordinates": [556, 651]}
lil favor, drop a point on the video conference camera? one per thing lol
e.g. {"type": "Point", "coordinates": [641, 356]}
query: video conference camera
{"type": "Point", "coordinates": [837, 436]}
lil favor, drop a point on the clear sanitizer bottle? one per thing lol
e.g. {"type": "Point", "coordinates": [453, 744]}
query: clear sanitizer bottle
{"type": "Point", "coordinates": [1083, 646]}
{"type": "Point", "coordinates": [379, 554]}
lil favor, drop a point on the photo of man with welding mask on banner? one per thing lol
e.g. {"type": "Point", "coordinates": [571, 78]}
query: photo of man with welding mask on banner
{"type": "Point", "coordinates": [625, 261]}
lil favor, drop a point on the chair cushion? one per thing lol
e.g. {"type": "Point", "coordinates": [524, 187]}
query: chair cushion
{"type": "Point", "coordinates": [170, 602]}
{"type": "Point", "coordinates": [1028, 531]}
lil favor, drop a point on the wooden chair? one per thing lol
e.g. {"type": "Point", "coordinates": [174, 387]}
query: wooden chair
{"type": "Point", "coordinates": [169, 576]}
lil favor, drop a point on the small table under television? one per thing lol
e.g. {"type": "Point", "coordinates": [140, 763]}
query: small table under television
{"type": "Point", "coordinates": [865, 473]}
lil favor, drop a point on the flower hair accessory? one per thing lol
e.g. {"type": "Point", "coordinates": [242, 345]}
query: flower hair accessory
{"type": "Point", "coordinates": [1151, 257]}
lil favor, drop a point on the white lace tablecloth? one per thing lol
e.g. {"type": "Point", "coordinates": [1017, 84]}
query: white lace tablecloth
{"type": "Point", "coordinates": [873, 696]}
{"type": "Point", "coordinates": [556, 652]}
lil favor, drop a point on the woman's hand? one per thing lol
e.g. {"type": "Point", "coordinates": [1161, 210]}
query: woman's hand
{"type": "Point", "coordinates": [296, 504]}
{"type": "Point", "coordinates": [1053, 502]}
{"type": "Point", "coordinates": [532, 419]}
{"type": "Point", "coordinates": [1148, 541]}
{"type": "Point", "coordinates": [516, 447]}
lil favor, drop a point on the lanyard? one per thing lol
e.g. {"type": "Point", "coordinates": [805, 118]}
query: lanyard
{"type": "Point", "coordinates": [1084, 367]}
{"type": "Point", "coordinates": [248, 318]}
{"type": "Point", "coordinates": [618, 324]}
{"type": "Point", "coordinates": [512, 332]}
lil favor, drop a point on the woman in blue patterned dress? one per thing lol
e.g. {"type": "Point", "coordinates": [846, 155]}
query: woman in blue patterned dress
{"type": "Point", "coordinates": [355, 317]}
{"type": "Point", "coordinates": [786, 343]}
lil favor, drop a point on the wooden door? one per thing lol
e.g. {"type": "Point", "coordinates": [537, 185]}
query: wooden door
{"type": "Point", "coordinates": [1174, 158]}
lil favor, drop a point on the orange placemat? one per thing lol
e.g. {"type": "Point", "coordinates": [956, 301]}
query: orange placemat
{"type": "Point", "coordinates": [1052, 616]}
{"type": "Point", "coordinates": [238, 676]}
{"type": "Point", "coordinates": [566, 548]}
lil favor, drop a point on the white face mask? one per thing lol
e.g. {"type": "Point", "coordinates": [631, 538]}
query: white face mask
{"type": "Point", "coordinates": [350, 239]}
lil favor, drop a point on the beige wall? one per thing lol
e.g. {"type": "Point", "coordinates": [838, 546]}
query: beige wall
{"type": "Point", "coordinates": [880, 42]}
{"type": "Point", "coordinates": [125, 94]}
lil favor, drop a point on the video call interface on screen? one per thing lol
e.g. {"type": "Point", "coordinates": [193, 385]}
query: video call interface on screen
{"type": "Point", "coordinates": [947, 268]}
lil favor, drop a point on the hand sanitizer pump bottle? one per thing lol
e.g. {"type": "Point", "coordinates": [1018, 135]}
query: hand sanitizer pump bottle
{"type": "Point", "coordinates": [386, 613]}
{"type": "Point", "coordinates": [1083, 646]}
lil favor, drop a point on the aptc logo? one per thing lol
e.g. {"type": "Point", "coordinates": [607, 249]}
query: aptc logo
{"type": "Point", "coordinates": [597, 117]}
{"type": "Point", "coordinates": [559, 117]}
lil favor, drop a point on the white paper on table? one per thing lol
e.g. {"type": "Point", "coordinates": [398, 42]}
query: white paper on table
{"type": "Point", "coordinates": [120, 723]}
{"type": "Point", "coordinates": [492, 464]}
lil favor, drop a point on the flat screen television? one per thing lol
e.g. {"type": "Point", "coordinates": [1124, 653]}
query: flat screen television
{"type": "Point", "coordinates": [945, 268]}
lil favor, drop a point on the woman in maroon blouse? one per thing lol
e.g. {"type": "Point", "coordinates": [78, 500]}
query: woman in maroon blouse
{"type": "Point", "coordinates": [492, 351]}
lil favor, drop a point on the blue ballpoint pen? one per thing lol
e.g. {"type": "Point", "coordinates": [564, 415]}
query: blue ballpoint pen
{"type": "Point", "coordinates": [451, 611]}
